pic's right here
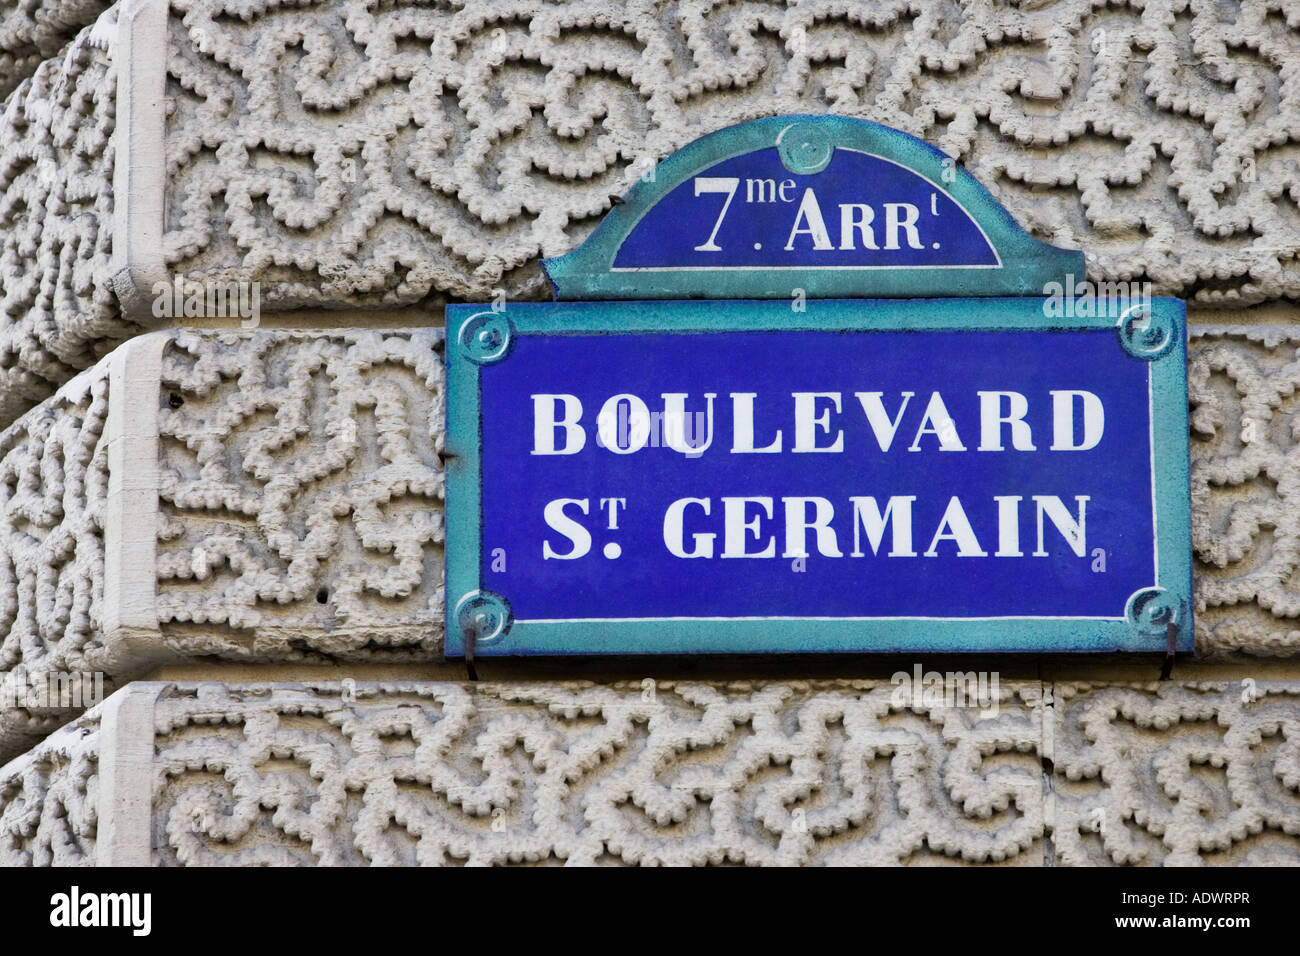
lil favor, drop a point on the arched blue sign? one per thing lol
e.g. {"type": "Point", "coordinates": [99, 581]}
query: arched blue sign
{"type": "Point", "coordinates": [831, 206]}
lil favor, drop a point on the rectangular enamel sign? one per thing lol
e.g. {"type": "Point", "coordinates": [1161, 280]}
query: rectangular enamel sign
{"type": "Point", "coordinates": [858, 476]}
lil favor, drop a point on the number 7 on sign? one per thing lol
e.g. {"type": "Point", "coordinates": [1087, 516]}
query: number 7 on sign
{"type": "Point", "coordinates": [716, 184]}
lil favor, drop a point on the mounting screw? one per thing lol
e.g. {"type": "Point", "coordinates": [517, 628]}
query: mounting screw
{"type": "Point", "coordinates": [1153, 609]}
{"type": "Point", "coordinates": [485, 615]}
{"type": "Point", "coordinates": [1145, 334]}
{"type": "Point", "coordinates": [805, 148]}
{"type": "Point", "coordinates": [485, 337]}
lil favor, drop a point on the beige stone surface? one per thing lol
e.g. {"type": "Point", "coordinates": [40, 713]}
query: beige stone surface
{"type": "Point", "coordinates": [1244, 414]}
{"type": "Point", "coordinates": [287, 509]}
{"type": "Point", "coordinates": [58, 313]}
{"type": "Point", "coordinates": [53, 489]}
{"type": "Point", "coordinates": [300, 494]}
{"type": "Point", "coordinates": [32, 32]}
{"type": "Point", "coordinates": [49, 799]}
{"type": "Point", "coordinates": [1177, 774]}
{"type": "Point", "coordinates": [384, 154]}
{"type": "Point", "coordinates": [664, 773]}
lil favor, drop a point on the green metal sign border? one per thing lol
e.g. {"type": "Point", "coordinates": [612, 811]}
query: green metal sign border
{"type": "Point", "coordinates": [1027, 264]}
{"type": "Point", "coordinates": [477, 335]}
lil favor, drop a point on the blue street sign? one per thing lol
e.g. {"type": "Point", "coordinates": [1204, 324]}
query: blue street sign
{"type": "Point", "coordinates": [831, 206]}
{"type": "Point", "coordinates": [860, 467]}
{"type": "Point", "coordinates": [871, 475]}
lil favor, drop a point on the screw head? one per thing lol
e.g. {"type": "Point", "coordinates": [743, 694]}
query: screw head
{"type": "Point", "coordinates": [1144, 333]}
{"type": "Point", "coordinates": [805, 148]}
{"type": "Point", "coordinates": [1153, 609]}
{"type": "Point", "coordinates": [485, 337]}
{"type": "Point", "coordinates": [484, 614]}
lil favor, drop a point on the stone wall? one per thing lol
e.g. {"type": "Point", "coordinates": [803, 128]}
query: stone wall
{"type": "Point", "coordinates": [49, 800]}
{"type": "Point", "coordinates": [32, 33]}
{"type": "Point", "coordinates": [58, 314]}
{"type": "Point", "coordinates": [225, 522]}
{"type": "Point", "coordinates": [670, 773]}
{"type": "Point", "coordinates": [386, 154]}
